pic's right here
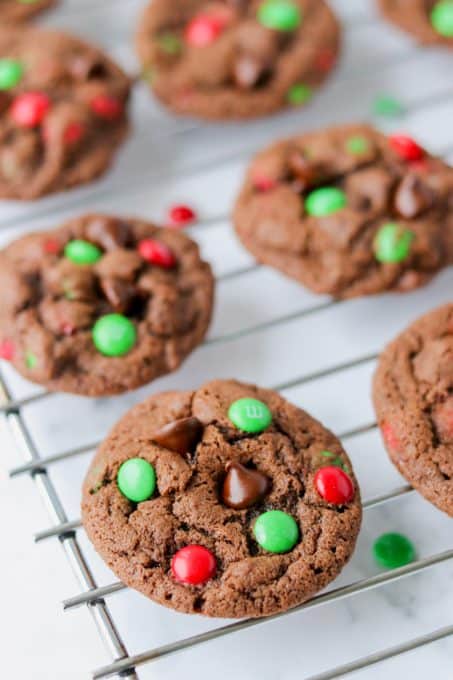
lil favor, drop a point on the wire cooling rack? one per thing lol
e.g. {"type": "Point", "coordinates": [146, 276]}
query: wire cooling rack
{"type": "Point", "coordinates": [320, 354]}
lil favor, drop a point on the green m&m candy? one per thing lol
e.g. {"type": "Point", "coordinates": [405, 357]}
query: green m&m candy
{"type": "Point", "coordinates": [442, 18]}
{"type": "Point", "coordinates": [276, 532]}
{"type": "Point", "coordinates": [250, 415]}
{"type": "Point", "coordinates": [137, 480]}
{"type": "Point", "coordinates": [82, 252]}
{"type": "Point", "coordinates": [325, 201]}
{"type": "Point", "coordinates": [280, 15]}
{"type": "Point", "coordinates": [169, 43]}
{"type": "Point", "coordinates": [11, 72]}
{"type": "Point", "coordinates": [392, 243]}
{"type": "Point", "coordinates": [393, 550]}
{"type": "Point", "coordinates": [114, 335]}
{"type": "Point", "coordinates": [357, 145]}
{"type": "Point", "coordinates": [299, 94]}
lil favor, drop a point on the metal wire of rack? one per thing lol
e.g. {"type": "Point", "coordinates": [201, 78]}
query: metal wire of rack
{"type": "Point", "coordinates": [66, 529]}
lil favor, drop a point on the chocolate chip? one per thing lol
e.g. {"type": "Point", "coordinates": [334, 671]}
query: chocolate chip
{"type": "Point", "coordinates": [412, 197]}
{"type": "Point", "coordinates": [181, 435]}
{"type": "Point", "coordinates": [306, 174]}
{"type": "Point", "coordinates": [242, 487]}
{"type": "Point", "coordinates": [109, 233]}
{"type": "Point", "coordinates": [119, 293]}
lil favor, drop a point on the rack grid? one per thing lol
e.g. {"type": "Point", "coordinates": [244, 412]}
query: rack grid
{"type": "Point", "coordinates": [222, 162]}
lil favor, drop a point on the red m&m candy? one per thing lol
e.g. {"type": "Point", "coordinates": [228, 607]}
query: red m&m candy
{"type": "Point", "coordinates": [204, 29]}
{"type": "Point", "coordinates": [156, 252]}
{"type": "Point", "coordinates": [390, 437]}
{"type": "Point", "coordinates": [263, 183]}
{"type": "Point", "coordinates": [107, 107]}
{"type": "Point", "coordinates": [181, 214]}
{"type": "Point", "coordinates": [406, 147]}
{"type": "Point", "coordinates": [334, 485]}
{"type": "Point", "coordinates": [51, 246]}
{"type": "Point", "coordinates": [30, 109]}
{"type": "Point", "coordinates": [193, 565]}
{"type": "Point", "coordinates": [73, 133]}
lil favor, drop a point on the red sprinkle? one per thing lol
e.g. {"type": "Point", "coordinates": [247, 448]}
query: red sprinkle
{"type": "Point", "coordinates": [74, 133]}
{"type": "Point", "coordinates": [264, 183]}
{"type": "Point", "coordinates": [51, 246]}
{"type": "Point", "coordinates": [7, 350]}
{"type": "Point", "coordinates": [204, 29]}
{"type": "Point", "coordinates": [325, 61]}
{"type": "Point", "coordinates": [156, 252]}
{"type": "Point", "coordinates": [67, 328]}
{"type": "Point", "coordinates": [390, 437]}
{"type": "Point", "coordinates": [107, 107]}
{"type": "Point", "coordinates": [180, 215]}
{"type": "Point", "coordinates": [193, 565]}
{"type": "Point", "coordinates": [30, 109]}
{"type": "Point", "coordinates": [334, 485]}
{"type": "Point", "coordinates": [406, 147]}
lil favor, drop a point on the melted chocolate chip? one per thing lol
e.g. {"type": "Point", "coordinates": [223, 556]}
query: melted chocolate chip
{"type": "Point", "coordinates": [119, 293]}
{"type": "Point", "coordinates": [109, 233]}
{"type": "Point", "coordinates": [306, 174]}
{"type": "Point", "coordinates": [242, 487]}
{"type": "Point", "coordinates": [181, 435]}
{"type": "Point", "coordinates": [412, 197]}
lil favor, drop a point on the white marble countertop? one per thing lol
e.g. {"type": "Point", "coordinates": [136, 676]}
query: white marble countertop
{"type": "Point", "coordinates": [39, 641]}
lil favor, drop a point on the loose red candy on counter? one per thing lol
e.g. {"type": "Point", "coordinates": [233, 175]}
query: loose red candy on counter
{"type": "Point", "coordinates": [193, 565]}
{"type": "Point", "coordinates": [6, 350]}
{"type": "Point", "coordinates": [30, 109]}
{"type": "Point", "coordinates": [204, 29]}
{"type": "Point", "coordinates": [334, 485]}
{"type": "Point", "coordinates": [157, 253]}
{"type": "Point", "coordinates": [107, 107]}
{"type": "Point", "coordinates": [180, 215]}
{"type": "Point", "coordinates": [406, 147]}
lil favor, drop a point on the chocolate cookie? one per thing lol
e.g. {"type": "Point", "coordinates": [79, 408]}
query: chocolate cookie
{"type": "Point", "coordinates": [14, 11]}
{"type": "Point", "coordinates": [429, 21]}
{"type": "Point", "coordinates": [348, 212]}
{"type": "Point", "coordinates": [62, 112]}
{"type": "Point", "coordinates": [226, 501]}
{"type": "Point", "coordinates": [413, 397]}
{"type": "Point", "coordinates": [237, 58]}
{"type": "Point", "coordinates": [103, 304]}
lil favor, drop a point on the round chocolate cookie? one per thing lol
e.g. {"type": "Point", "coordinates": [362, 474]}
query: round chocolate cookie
{"type": "Point", "coordinates": [226, 501]}
{"type": "Point", "coordinates": [348, 212]}
{"type": "Point", "coordinates": [62, 112]}
{"type": "Point", "coordinates": [237, 58]}
{"type": "Point", "coordinates": [103, 304]}
{"type": "Point", "coordinates": [14, 11]}
{"type": "Point", "coordinates": [428, 21]}
{"type": "Point", "coordinates": [413, 397]}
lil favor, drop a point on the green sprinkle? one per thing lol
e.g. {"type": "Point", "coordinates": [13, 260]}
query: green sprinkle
{"type": "Point", "coordinates": [357, 145]}
{"type": "Point", "coordinates": [299, 94]}
{"type": "Point", "coordinates": [388, 107]}
{"type": "Point", "coordinates": [393, 550]}
{"type": "Point", "coordinates": [31, 360]}
{"type": "Point", "coordinates": [169, 43]}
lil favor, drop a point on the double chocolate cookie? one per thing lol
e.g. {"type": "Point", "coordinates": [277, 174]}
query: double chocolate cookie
{"type": "Point", "coordinates": [103, 304]}
{"type": "Point", "coordinates": [62, 112]}
{"type": "Point", "coordinates": [413, 397]}
{"type": "Point", "coordinates": [14, 11]}
{"type": "Point", "coordinates": [236, 58]}
{"type": "Point", "coordinates": [226, 501]}
{"type": "Point", "coordinates": [428, 21]}
{"type": "Point", "coordinates": [348, 212]}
